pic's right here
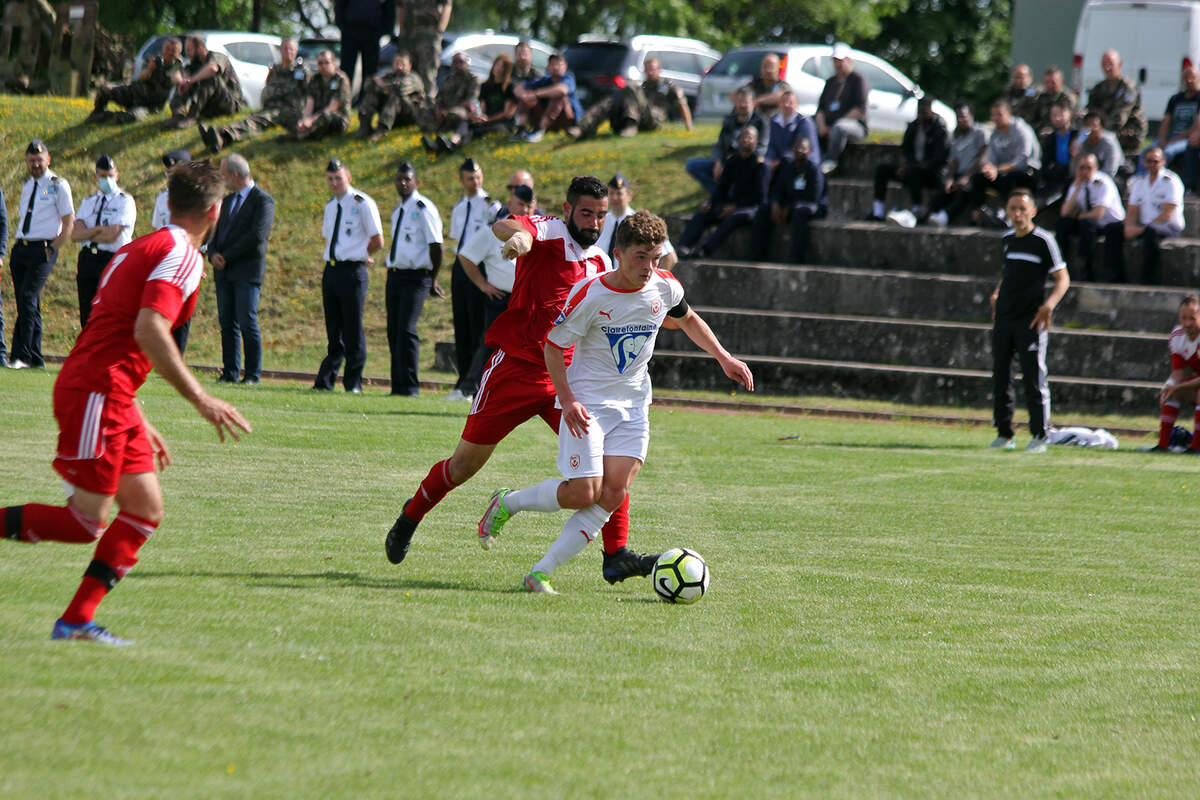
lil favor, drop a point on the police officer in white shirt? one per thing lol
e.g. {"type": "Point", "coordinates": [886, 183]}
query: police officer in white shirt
{"type": "Point", "coordinates": [1092, 204]}
{"type": "Point", "coordinates": [353, 232]}
{"type": "Point", "coordinates": [103, 225]}
{"type": "Point", "coordinates": [43, 224]}
{"type": "Point", "coordinates": [475, 210]}
{"type": "Point", "coordinates": [1155, 212]}
{"type": "Point", "coordinates": [161, 217]}
{"type": "Point", "coordinates": [620, 196]}
{"type": "Point", "coordinates": [412, 266]}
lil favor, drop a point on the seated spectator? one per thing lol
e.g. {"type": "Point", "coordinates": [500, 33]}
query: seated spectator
{"type": "Point", "coordinates": [1056, 155]}
{"type": "Point", "coordinates": [768, 86]}
{"type": "Point", "coordinates": [1012, 160]}
{"type": "Point", "coordinates": [1021, 94]}
{"type": "Point", "coordinates": [1053, 93]}
{"type": "Point", "coordinates": [497, 112]}
{"type": "Point", "coordinates": [523, 68]}
{"type": "Point", "coordinates": [327, 108]}
{"type": "Point", "coordinates": [398, 97]}
{"type": "Point", "coordinates": [741, 189]}
{"type": "Point", "coordinates": [796, 196]}
{"type": "Point", "coordinates": [708, 170]}
{"type": "Point", "coordinates": [447, 123]}
{"type": "Point", "coordinates": [925, 149]}
{"type": "Point", "coordinates": [283, 98]}
{"type": "Point", "coordinates": [208, 88]}
{"type": "Point", "coordinates": [1092, 204]}
{"type": "Point", "coordinates": [549, 103]}
{"type": "Point", "coordinates": [1155, 212]}
{"type": "Point", "coordinates": [787, 126]}
{"type": "Point", "coordinates": [967, 147]}
{"type": "Point", "coordinates": [1118, 101]}
{"type": "Point", "coordinates": [1099, 142]}
{"type": "Point", "coordinates": [146, 94]}
{"type": "Point", "coordinates": [639, 107]}
{"type": "Point", "coordinates": [1179, 132]}
{"type": "Point", "coordinates": [842, 108]}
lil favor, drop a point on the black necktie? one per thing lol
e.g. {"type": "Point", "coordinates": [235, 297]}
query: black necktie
{"type": "Point", "coordinates": [29, 209]}
{"type": "Point", "coordinates": [99, 211]}
{"type": "Point", "coordinates": [1087, 196]}
{"type": "Point", "coordinates": [396, 235]}
{"type": "Point", "coordinates": [337, 223]}
{"type": "Point", "coordinates": [237, 205]}
{"type": "Point", "coordinates": [466, 219]}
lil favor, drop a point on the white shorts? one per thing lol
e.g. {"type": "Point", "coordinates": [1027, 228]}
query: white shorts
{"type": "Point", "coordinates": [611, 432]}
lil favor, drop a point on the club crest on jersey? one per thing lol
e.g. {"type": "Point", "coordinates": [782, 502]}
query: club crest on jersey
{"type": "Point", "coordinates": [626, 342]}
{"type": "Point", "coordinates": [655, 306]}
{"type": "Point", "coordinates": [574, 461]}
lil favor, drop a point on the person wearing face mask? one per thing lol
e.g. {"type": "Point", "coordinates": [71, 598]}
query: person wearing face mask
{"type": "Point", "coordinates": [103, 226]}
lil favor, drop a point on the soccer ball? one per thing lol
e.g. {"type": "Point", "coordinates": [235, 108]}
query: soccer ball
{"type": "Point", "coordinates": [680, 576]}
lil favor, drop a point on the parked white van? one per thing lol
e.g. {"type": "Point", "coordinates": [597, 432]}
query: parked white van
{"type": "Point", "coordinates": [1156, 39]}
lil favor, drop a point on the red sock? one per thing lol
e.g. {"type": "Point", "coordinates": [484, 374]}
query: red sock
{"type": "Point", "coordinates": [34, 523]}
{"type": "Point", "coordinates": [616, 531]}
{"type": "Point", "coordinates": [1196, 430]}
{"type": "Point", "coordinates": [116, 553]}
{"type": "Point", "coordinates": [1167, 417]}
{"type": "Point", "coordinates": [437, 484]}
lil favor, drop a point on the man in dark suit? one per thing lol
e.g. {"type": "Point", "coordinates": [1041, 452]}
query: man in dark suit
{"type": "Point", "coordinates": [238, 252]}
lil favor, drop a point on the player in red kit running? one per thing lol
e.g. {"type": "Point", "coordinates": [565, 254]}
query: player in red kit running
{"type": "Point", "coordinates": [552, 256]}
{"type": "Point", "coordinates": [106, 448]}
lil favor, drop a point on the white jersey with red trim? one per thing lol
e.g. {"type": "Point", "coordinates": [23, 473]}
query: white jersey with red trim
{"type": "Point", "coordinates": [613, 331]}
{"type": "Point", "coordinates": [1185, 352]}
{"type": "Point", "coordinates": [159, 271]}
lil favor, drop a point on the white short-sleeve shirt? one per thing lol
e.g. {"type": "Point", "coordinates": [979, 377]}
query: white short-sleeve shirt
{"type": "Point", "coordinates": [359, 222]}
{"type": "Point", "coordinates": [420, 227]}
{"type": "Point", "coordinates": [609, 230]}
{"type": "Point", "coordinates": [1100, 191]}
{"type": "Point", "coordinates": [53, 202]}
{"type": "Point", "coordinates": [161, 216]}
{"type": "Point", "coordinates": [1150, 197]}
{"type": "Point", "coordinates": [482, 249]}
{"type": "Point", "coordinates": [117, 208]}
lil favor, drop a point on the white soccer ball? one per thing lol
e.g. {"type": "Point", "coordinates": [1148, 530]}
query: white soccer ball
{"type": "Point", "coordinates": [680, 576]}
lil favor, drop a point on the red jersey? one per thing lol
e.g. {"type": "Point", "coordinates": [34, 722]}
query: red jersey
{"type": "Point", "coordinates": [1184, 353]}
{"type": "Point", "coordinates": [544, 277]}
{"type": "Point", "coordinates": [160, 271]}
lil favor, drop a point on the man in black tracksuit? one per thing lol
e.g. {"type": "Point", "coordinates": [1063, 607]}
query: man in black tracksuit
{"type": "Point", "coordinates": [1021, 320]}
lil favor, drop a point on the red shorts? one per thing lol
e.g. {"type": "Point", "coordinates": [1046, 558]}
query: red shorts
{"type": "Point", "coordinates": [99, 440]}
{"type": "Point", "coordinates": [511, 391]}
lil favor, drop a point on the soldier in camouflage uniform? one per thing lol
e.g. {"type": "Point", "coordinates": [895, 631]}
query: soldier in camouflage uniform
{"type": "Point", "coordinates": [523, 68]}
{"type": "Point", "coordinates": [327, 109]}
{"type": "Point", "coordinates": [1053, 93]}
{"type": "Point", "coordinates": [1021, 94]}
{"type": "Point", "coordinates": [1118, 101]}
{"type": "Point", "coordinates": [398, 97]}
{"type": "Point", "coordinates": [639, 108]}
{"type": "Point", "coordinates": [453, 109]}
{"type": "Point", "coordinates": [146, 94]}
{"type": "Point", "coordinates": [282, 102]}
{"type": "Point", "coordinates": [768, 86]}
{"type": "Point", "coordinates": [210, 88]}
{"type": "Point", "coordinates": [421, 24]}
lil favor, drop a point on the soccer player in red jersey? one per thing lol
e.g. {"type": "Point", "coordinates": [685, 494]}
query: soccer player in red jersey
{"type": "Point", "coordinates": [552, 256]}
{"type": "Point", "coordinates": [1183, 385]}
{"type": "Point", "coordinates": [106, 447]}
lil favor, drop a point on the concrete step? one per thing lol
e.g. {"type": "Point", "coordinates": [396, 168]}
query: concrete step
{"type": "Point", "coordinates": [918, 343]}
{"type": "Point", "coordinates": [913, 295]}
{"type": "Point", "coordinates": [921, 385]}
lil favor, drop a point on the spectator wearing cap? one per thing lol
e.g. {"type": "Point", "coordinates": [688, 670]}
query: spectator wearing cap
{"type": "Point", "coordinates": [741, 190]}
{"type": "Point", "coordinates": [162, 214]}
{"type": "Point", "coordinates": [474, 210]}
{"type": "Point", "coordinates": [620, 195]}
{"type": "Point", "coordinates": [491, 272]}
{"type": "Point", "coordinates": [842, 108]}
{"type": "Point", "coordinates": [795, 196]}
{"type": "Point", "coordinates": [413, 260]}
{"type": "Point", "coordinates": [45, 218]}
{"type": "Point", "coordinates": [353, 232]}
{"type": "Point", "coordinates": [103, 226]}
{"type": "Point", "coordinates": [549, 103]}
{"type": "Point", "coordinates": [238, 253]}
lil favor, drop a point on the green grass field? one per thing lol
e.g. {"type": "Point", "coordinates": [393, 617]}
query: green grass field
{"type": "Point", "coordinates": [895, 611]}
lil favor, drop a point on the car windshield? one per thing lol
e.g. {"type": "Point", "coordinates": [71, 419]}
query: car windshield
{"type": "Point", "coordinates": [741, 64]}
{"type": "Point", "coordinates": [602, 58]}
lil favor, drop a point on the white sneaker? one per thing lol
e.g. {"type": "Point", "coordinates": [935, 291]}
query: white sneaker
{"type": "Point", "coordinates": [828, 167]}
{"type": "Point", "coordinates": [456, 396]}
{"type": "Point", "coordinates": [17, 363]}
{"type": "Point", "coordinates": [905, 219]}
{"type": "Point", "coordinates": [939, 219]}
{"type": "Point", "coordinates": [535, 136]}
{"type": "Point", "coordinates": [1036, 445]}
{"type": "Point", "coordinates": [1000, 443]}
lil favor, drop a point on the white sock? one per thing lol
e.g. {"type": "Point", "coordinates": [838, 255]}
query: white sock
{"type": "Point", "coordinates": [582, 526]}
{"type": "Point", "coordinates": [877, 208]}
{"type": "Point", "coordinates": [539, 497]}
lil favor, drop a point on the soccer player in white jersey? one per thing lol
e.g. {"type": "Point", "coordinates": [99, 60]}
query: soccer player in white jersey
{"type": "Point", "coordinates": [612, 321]}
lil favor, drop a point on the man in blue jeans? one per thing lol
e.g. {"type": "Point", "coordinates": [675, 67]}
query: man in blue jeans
{"type": "Point", "coordinates": [238, 252]}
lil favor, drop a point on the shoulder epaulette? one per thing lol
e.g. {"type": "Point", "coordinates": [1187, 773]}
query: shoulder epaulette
{"type": "Point", "coordinates": [420, 204]}
{"type": "Point", "coordinates": [358, 198]}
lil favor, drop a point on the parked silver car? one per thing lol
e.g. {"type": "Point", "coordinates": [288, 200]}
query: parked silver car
{"type": "Point", "coordinates": [603, 65]}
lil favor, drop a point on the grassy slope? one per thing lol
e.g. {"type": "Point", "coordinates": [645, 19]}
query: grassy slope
{"type": "Point", "coordinates": [895, 611]}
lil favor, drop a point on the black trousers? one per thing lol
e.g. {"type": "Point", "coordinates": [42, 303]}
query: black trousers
{"type": "Point", "coordinates": [483, 353]}
{"type": "Point", "coordinates": [344, 293]}
{"type": "Point", "coordinates": [1114, 254]}
{"type": "Point", "coordinates": [87, 279]}
{"type": "Point", "coordinates": [973, 194]}
{"type": "Point", "coordinates": [31, 265]}
{"type": "Point", "coordinates": [1088, 231]}
{"type": "Point", "coordinates": [467, 303]}
{"type": "Point", "coordinates": [405, 298]}
{"type": "Point", "coordinates": [799, 217]}
{"type": "Point", "coordinates": [916, 180]}
{"type": "Point", "coordinates": [1014, 337]}
{"type": "Point", "coordinates": [725, 226]}
{"type": "Point", "coordinates": [356, 41]}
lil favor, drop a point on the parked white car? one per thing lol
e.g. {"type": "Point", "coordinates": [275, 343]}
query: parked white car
{"type": "Point", "coordinates": [250, 54]}
{"type": "Point", "coordinates": [891, 106]}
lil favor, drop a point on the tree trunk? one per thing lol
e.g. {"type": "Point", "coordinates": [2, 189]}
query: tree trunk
{"type": "Point", "coordinates": [256, 15]}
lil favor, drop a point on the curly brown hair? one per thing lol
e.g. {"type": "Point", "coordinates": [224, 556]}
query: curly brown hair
{"type": "Point", "coordinates": [193, 187]}
{"type": "Point", "coordinates": [641, 228]}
